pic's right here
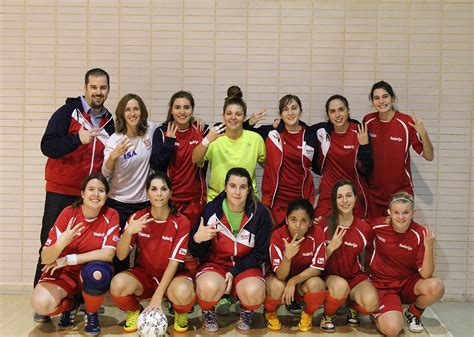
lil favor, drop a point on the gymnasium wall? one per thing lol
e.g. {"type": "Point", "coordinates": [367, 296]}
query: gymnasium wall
{"type": "Point", "coordinates": [270, 48]}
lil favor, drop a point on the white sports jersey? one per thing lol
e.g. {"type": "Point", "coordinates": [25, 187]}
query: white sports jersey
{"type": "Point", "coordinates": [127, 181]}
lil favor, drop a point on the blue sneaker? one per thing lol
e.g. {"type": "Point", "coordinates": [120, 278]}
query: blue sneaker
{"type": "Point", "coordinates": [41, 318]}
{"type": "Point", "coordinates": [209, 320]}
{"type": "Point", "coordinates": [245, 321]}
{"type": "Point", "coordinates": [66, 321]}
{"type": "Point", "coordinates": [92, 327]}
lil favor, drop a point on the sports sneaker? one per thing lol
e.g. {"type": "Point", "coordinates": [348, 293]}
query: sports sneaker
{"type": "Point", "coordinates": [92, 326]}
{"type": "Point", "coordinates": [306, 322]}
{"type": "Point", "coordinates": [352, 317]}
{"type": "Point", "coordinates": [414, 322]}
{"type": "Point", "coordinates": [181, 322]}
{"type": "Point", "coordinates": [223, 307]}
{"type": "Point", "coordinates": [327, 324]}
{"type": "Point", "coordinates": [273, 323]}
{"type": "Point", "coordinates": [209, 320]}
{"type": "Point", "coordinates": [41, 318]}
{"type": "Point", "coordinates": [245, 321]}
{"type": "Point", "coordinates": [67, 318]}
{"type": "Point", "coordinates": [131, 322]}
{"type": "Point", "coordinates": [294, 308]}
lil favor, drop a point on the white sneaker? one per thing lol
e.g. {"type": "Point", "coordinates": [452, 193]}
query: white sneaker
{"type": "Point", "coordinates": [414, 322]}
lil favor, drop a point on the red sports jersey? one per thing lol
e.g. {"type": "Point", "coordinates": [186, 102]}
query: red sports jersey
{"type": "Point", "coordinates": [161, 241]}
{"type": "Point", "coordinates": [337, 160]}
{"type": "Point", "coordinates": [185, 176]}
{"type": "Point", "coordinates": [292, 172]}
{"type": "Point", "coordinates": [311, 254]}
{"type": "Point", "coordinates": [100, 232]}
{"type": "Point", "coordinates": [391, 143]}
{"type": "Point", "coordinates": [396, 255]}
{"type": "Point", "coordinates": [345, 261]}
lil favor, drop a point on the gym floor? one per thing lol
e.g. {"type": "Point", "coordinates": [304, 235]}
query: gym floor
{"type": "Point", "coordinates": [442, 319]}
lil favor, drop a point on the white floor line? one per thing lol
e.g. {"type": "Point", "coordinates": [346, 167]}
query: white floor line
{"type": "Point", "coordinates": [447, 334]}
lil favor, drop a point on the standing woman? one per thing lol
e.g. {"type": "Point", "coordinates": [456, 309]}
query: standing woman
{"type": "Point", "coordinates": [392, 133]}
{"type": "Point", "coordinates": [402, 267]}
{"type": "Point", "coordinates": [126, 160]}
{"type": "Point", "coordinates": [161, 235]}
{"type": "Point", "coordinates": [290, 151]}
{"type": "Point", "coordinates": [173, 145]}
{"type": "Point", "coordinates": [77, 258]}
{"type": "Point", "coordinates": [231, 240]}
{"type": "Point", "coordinates": [344, 154]}
{"type": "Point", "coordinates": [228, 145]}
{"type": "Point", "coordinates": [297, 254]}
{"type": "Point", "coordinates": [347, 236]}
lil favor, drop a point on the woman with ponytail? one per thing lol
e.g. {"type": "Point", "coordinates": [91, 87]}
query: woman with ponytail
{"type": "Point", "coordinates": [161, 235]}
{"type": "Point", "coordinates": [228, 145]}
{"type": "Point", "coordinates": [346, 236]}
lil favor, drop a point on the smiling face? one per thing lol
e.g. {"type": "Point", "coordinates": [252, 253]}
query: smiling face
{"type": "Point", "coordinates": [96, 91]}
{"type": "Point", "coordinates": [338, 115]}
{"type": "Point", "coordinates": [382, 101]}
{"type": "Point", "coordinates": [159, 193]}
{"type": "Point", "coordinates": [290, 114]}
{"type": "Point", "coordinates": [401, 214]}
{"type": "Point", "coordinates": [237, 189]}
{"type": "Point", "coordinates": [345, 199]}
{"type": "Point", "coordinates": [298, 222]}
{"type": "Point", "coordinates": [94, 195]}
{"type": "Point", "coordinates": [132, 114]}
{"type": "Point", "coordinates": [182, 112]}
{"type": "Point", "coordinates": [234, 117]}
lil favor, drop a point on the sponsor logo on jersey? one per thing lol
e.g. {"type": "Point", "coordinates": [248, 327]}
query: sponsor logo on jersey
{"type": "Point", "coordinates": [349, 147]}
{"type": "Point", "coordinates": [320, 260]}
{"type": "Point", "coordinates": [99, 234]}
{"type": "Point", "coordinates": [166, 238]}
{"type": "Point", "coordinates": [380, 238]}
{"type": "Point", "coordinates": [145, 235]}
{"type": "Point", "coordinates": [373, 135]}
{"type": "Point", "coordinates": [395, 139]}
{"type": "Point", "coordinates": [129, 155]}
{"type": "Point", "coordinates": [193, 142]}
{"type": "Point", "coordinates": [183, 251]}
{"type": "Point", "coordinates": [350, 244]}
{"type": "Point", "coordinates": [401, 245]}
{"type": "Point", "coordinates": [245, 236]}
{"type": "Point", "coordinates": [308, 254]}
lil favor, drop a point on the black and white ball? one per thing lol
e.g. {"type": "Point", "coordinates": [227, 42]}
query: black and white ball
{"type": "Point", "coordinates": [152, 323]}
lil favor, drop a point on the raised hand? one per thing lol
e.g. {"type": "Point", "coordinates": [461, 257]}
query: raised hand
{"type": "Point", "coordinates": [86, 136]}
{"type": "Point", "coordinates": [121, 148]}
{"type": "Point", "coordinates": [257, 117]}
{"type": "Point", "coordinates": [429, 237]}
{"type": "Point", "coordinates": [293, 247]}
{"type": "Point", "coordinates": [362, 134]}
{"type": "Point", "coordinates": [71, 231]}
{"type": "Point", "coordinates": [205, 233]}
{"type": "Point", "coordinates": [215, 132]}
{"type": "Point", "coordinates": [137, 225]}
{"type": "Point", "coordinates": [172, 129]}
{"type": "Point", "coordinates": [336, 240]}
{"type": "Point", "coordinates": [418, 125]}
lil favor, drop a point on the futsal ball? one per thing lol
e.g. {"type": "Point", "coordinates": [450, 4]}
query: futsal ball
{"type": "Point", "coordinates": [152, 323]}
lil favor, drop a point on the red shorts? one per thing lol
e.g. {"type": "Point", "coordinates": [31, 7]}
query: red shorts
{"type": "Point", "coordinates": [191, 210]}
{"type": "Point", "coordinates": [375, 210]}
{"type": "Point", "coordinates": [149, 282]}
{"type": "Point", "coordinates": [392, 298]}
{"type": "Point", "coordinates": [353, 282]}
{"type": "Point", "coordinates": [222, 270]}
{"type": "Point", "coordinates": [66, 278]}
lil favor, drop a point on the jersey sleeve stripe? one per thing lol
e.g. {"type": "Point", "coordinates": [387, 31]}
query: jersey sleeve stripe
{"type": "Point", "coordinates": [178, 246]}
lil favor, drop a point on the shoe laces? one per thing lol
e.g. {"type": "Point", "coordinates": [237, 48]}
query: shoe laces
{"type": "Point", "coordinates": [92, 318]}
{"type": "Point", "coordinates": [245, 315]}
{"type": "Point", "coordinates": [329, 319]}
{"type": "Point", "coordinates": [182, 319]}
{"type": "Point", "coordinates": [132, 317]}
{"type": "Point", "coordinates": [353, 313]}
{"type": "Point", "coordinates": [209, 316]}
{"type": "Point", "coordinates": [416, 320]}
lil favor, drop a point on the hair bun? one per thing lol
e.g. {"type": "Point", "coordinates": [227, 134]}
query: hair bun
{"type": "Point", "coordinates": [234, 92]}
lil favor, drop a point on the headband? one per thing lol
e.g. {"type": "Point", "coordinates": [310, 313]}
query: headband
{"type": "Point", "coordinates": [401, 199]}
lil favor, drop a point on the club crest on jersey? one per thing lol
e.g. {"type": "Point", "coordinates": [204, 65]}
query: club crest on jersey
{"type": "Point", "coordinates": [115, 238]}
{"type": "Point", "coordinates": [396, 139]}
{"type": "Point", "coordinates": [183, 251]}
{"type": "Point", "coordinates": [320, 260]}
{"type": "Point", "coordinates": [276, 261]}
{"type": "Point", "coordinates": [129, 155]}
{"type": "Point", "coordinates": [401, 245]}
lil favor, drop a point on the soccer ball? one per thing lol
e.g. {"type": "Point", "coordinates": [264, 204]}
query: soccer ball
{"type": "Point", "coordinates": [152, 323]}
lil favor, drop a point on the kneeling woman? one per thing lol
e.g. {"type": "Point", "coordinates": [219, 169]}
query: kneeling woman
{"type": "Point", "coordinates": [297, 255]}
{"type": "Point", "coordinates": [402, 267]}
{"type": "Point", "coordinates": [231, 241]}
{"type": "Point", "coordinates": [347, 236]}
{"type": "Point", "coordinates": [161, 235]}
{"type": "Point", "coordinates": [76, 256]}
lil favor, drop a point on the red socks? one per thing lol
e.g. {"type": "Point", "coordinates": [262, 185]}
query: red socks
{"type": "Point", "coordinates": [313, 301]}
{"type": "Point", "coordinates": [93, 303]}
{"type": "Point", "coordinates": [126, 303]}
{"type": "Point", "coordinates": [181, 309]}
{"type": "Point", "coordinates": [414, 310]}
{"type": "Point", "coordinates": [65, 305]}
{"type": "Point", "coordinates": [271, 305]}
{"type": "Point", "coordinates": [249, 307]}
{"type": "Point", "coordinates": [332, 304]}
{"type": "Point", "coordinates": [353, 305]}
{"type": "Point", "coordinates": [205, 305]}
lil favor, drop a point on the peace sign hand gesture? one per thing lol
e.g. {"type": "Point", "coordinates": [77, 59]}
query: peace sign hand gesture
{"type": "Point", "coordinates": [292, 248]}
{"type": "Point", "coordinates": [137, 225]}
{"type": "Point", "coordinates": [418, 125]}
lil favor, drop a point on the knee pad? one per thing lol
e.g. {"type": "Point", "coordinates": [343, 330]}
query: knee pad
{"type": "Point", "coordinates": [92, 286]}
